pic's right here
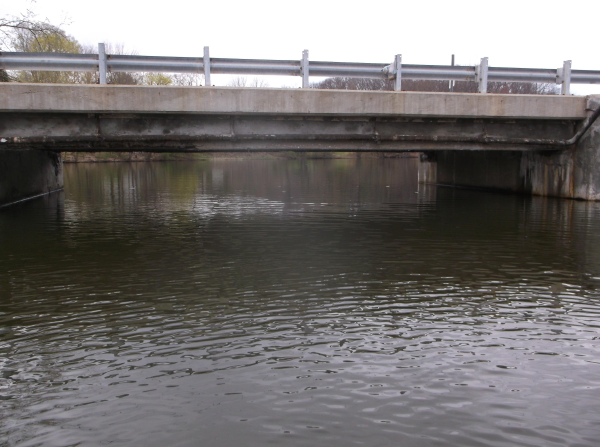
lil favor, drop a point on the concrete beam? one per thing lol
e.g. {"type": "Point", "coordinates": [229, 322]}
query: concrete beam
{"type": "Point", "coordinates": [201, 132]}
{"type": "Point", "coordinates": [55, 98]}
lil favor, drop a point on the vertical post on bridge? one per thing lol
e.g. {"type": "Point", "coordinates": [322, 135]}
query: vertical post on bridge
{"type": "Point", "coordinates": [304, 69]}
{"type": "Point", "coordinates": [102, 63]}
{"type": "Point", "coordinates": [563, 77]}
{"type": "Point", "coordinates": [482, 75]}
{"type": "Point", "coordinates": [206, 63]}
{"type": "Point", "coordinates": [398, 72]}
{"type": "Point", "coordinates": [451, 85]}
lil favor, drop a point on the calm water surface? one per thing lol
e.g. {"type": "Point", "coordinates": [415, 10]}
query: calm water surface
{"type": "Point", "coordinates": [303, 302]}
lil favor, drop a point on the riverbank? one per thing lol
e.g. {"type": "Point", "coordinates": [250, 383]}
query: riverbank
{"type": "Point", "coordinates": [98, 157]}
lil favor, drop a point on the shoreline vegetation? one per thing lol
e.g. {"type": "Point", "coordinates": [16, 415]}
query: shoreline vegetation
{"type": "Point", "coordinates": [105, 157]}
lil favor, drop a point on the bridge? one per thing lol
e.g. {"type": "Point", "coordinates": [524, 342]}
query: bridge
{"type": "Point", "coordinates": [537, 144]}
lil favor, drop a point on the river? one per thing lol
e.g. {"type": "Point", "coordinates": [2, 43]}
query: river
{"type": "Point", "coordinates": [296, 302]}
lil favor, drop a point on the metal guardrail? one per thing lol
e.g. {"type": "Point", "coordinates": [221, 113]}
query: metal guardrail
{"type": "Point", "coordinates": [104, 63]}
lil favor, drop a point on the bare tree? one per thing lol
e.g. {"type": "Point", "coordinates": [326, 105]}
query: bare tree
{"type": "Point", "coordinates": [416, 85]}
{"type": "Point", "coordinates": [54, 40]}
{"type": "Point", "coordinates": [258, 82]}
{"type": "Point", "coordinates": [242, 81]}
{"type": "Point", "coordinates": [187, 79]}
{"type": "Point", "coordinates": [14, 28]}
{"type": "Point", "coordinates": [238, 81]}
{"type": "Point", "coordinates": [117, 78]}
{"type": "Point", "coordinates": [26, 22]}
{"type": "Point", "coordinates": [346, 83]}
{"type": "Point", "coordinates": [523, 88]}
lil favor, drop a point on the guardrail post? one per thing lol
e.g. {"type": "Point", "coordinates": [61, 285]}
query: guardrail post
{"type": "Point", "coordinates": [563, 77]}
{"type": "Point", "coordinates": [102, 63]}
{"type": "Point", "coordinates": [482, 75]}
{"type": "Point", "coordinates": [304, 69]}
{"type": "Point", "coordinates": [398, 72]}
{"type": "Point", "coordinates": [451, 83]}
{"type": "Point", "coordinates": [206, 63]}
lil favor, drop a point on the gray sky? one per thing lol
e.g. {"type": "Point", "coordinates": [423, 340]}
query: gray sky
{"type": "Point", "coordinates": [525, 33]}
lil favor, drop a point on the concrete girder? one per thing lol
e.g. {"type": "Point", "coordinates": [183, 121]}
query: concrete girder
{"type": "Point", "coordinates": [176, 132]}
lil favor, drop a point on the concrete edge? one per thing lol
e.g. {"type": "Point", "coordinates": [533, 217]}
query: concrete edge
{"type": "Point", "coordinates": [61, 98]}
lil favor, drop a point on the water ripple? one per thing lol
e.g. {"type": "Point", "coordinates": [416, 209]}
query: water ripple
{"type": "Point", "coordinates": [296, 302]}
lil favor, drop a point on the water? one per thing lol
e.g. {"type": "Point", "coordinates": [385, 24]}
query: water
{"type": "Point", "coordinates": [301, 302]}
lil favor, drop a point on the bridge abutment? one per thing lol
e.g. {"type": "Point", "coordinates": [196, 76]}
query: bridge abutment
{"type": "Point", "coordinates": [570, 173]}
{"type": "Point", "coordinates": [26, 174]}
{"type": "Point", "coordinates": [586, 164]}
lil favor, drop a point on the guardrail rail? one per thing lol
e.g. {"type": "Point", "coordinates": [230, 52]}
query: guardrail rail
{"type": "Point", "coordinates": [482, 74]}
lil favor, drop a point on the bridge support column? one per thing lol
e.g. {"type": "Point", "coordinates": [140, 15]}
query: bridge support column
{"type": "Point", "coordinates": [28, 173]}
{"type": "Point", "coordinates": [586, 164]}
{"type": "Point", "coordinates": [571, 173]}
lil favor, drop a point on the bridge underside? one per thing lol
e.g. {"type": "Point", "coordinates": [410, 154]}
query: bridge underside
{"type": "Point", "coordinates": [92, 132]}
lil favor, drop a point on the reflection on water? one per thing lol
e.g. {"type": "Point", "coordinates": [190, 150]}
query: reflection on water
{"type": "Point", "coordinates": [324, 302]}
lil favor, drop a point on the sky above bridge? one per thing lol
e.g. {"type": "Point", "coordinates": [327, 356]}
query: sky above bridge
{"type": "Point", "coordinates": [511, 33]}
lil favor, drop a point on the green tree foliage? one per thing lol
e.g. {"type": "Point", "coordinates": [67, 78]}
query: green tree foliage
{"type": "Point", "coordinates": [53, 41]}
{"type": "Point", "coordinates": [16, 30]}
{"type": "Point", "coordinates": [157, 79]}
{"type": "Point", "coordinates": [25, 33]}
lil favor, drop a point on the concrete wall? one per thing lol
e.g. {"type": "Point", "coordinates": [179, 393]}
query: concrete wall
{"type": "Point", "coordinates": [571, 173]}
{"type": "Point", "coordinates": [28, 173]}
{"type": "Point", "coordinates": [586, 165]}
{"type": "Point", "coordinates": [57, 98]}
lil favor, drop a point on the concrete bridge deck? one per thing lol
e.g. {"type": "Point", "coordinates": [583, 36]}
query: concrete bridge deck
{"type": "Point", "coordinates": [114, 118]}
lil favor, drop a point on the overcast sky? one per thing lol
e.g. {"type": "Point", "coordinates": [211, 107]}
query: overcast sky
{"type": "Point", "coordinates": [524, 33]}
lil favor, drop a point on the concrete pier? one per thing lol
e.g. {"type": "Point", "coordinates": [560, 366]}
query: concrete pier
{"type": "Point", "coordinates": [26, 174]}
{"type": "Point", "coordinates": [570, 173]}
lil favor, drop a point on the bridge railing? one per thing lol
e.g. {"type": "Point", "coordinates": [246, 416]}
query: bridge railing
{"type": "Point", "coordinates": [104, 63]}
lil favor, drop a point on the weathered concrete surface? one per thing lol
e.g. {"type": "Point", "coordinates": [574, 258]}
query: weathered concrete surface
{"type": "Point", "coordinates": [15, 97]}
{"type": "Point", "coordinates": [570, 173]}
{"type": "Point", "coordinates": [137, 118]}
{"type": "Point", "coordinates": [586, 162]}
{"type": "Point", "coordinates": [28, 173]}
{"type": "Point", "coordinates": [94, 132]}
{"type": "Point", "coordinates": [522, 135]}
